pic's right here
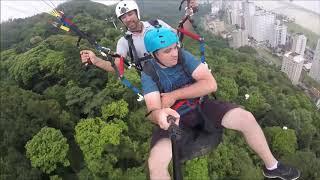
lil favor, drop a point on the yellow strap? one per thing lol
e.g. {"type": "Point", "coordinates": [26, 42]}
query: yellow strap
{"type": "Point", "coordinates": [65, 28]}
{"type": "Point", "coordinates": [55, 13]}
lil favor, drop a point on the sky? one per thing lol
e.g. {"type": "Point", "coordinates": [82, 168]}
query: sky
{"type": "Point", "coordinates": [20, 9]}
{"type": "Point", "coordinates": [26, 8]}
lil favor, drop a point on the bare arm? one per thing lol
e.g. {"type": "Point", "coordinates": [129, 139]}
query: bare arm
{"type": "Point", "coordinates": [87, 56]}
{"type": "Point", "coordinates": [159, 115]}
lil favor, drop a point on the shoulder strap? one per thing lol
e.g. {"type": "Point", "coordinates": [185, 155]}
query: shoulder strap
{"type": "Point", "coordinates": [154, 23]}
{"type": "Point", "coordinates": [182, 61]}
{"type": "Point", "coordinates": [133, 52]}
{"type": "Point", "coordinates": [149, 69]}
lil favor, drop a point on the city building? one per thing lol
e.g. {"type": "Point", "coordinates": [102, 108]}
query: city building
{"type": "Point", "coordinates": [239, 38]}
{"type": "Point", "coordinates": [235, 13]}
{"type": "Point", "coordinates": [262, 26]}
{"type": "Point", "coordinates": [279, 34]}
{"type": "Point", "coordinates": [234, 17]}
{"type": "Point", "coordinates": [216, 26]}
{"type": "Point", "coordinates": [248, 12]}
{"type": "Point", "coordinates": [315, 68]}
{"type": "Point", "coordinates": [292, 64]}
{"type": "Point", "coordinates": [299, 43]}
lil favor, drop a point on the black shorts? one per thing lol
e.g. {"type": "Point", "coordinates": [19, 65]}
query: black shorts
{"type": "Point", "coordinates": [200, 134]}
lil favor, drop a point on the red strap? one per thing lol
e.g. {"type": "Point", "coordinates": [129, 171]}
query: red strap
{"type": "Point", "coordinates": [121, 66]}
{"type": "Point", "coordinates": [177, 105]}
{"type": "Point", "coordinates": [190, 34]}
{"type": "Point", "coordinates": [194, 104]}
{"type": "Point", "coordinates": [67, 20]}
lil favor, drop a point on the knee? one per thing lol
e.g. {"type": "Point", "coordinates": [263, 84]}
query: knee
{"type": "Point", "coordinates": [155, 164]}
{"type": "Point", "coordinates": [248, 121]}
{"type": "Point", "coordinates": [239, 119]}
{"type": "Point", "coordinates": [247, 116]}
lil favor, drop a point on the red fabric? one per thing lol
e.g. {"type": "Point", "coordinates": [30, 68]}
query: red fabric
{"type": "Point", "coordinates": [190, 34]}
{"type": "Point", "coordinates": [68, 21]}
{"type": "Point", "coordinates": [121, 66]}
{"type": "Point", "coordinates": [177, 105]}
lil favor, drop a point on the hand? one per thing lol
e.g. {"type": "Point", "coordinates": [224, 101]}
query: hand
{"type": "Point", "coordinates": [162, 115]}
{"type": "Point", "coordinates": [167, 100]}
{"type": "Point", "coordinates": [193, 4]}
{"type": "Point", "coordinates": [88, 57]}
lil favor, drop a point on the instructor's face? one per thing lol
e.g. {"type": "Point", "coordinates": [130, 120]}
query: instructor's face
{"type": "Point", "coordinates": [130, 20]}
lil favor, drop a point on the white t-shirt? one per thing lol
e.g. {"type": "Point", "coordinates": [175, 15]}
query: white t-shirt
{"type": "Point", "coordinates": [138, 40]}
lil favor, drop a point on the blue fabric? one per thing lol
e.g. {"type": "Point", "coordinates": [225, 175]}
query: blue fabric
{"type": "Point", "coordinates": [171, 78]}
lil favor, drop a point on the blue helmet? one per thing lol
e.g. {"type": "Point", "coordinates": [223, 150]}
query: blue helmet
{"type": "Point", "coordinates": [158, 38]}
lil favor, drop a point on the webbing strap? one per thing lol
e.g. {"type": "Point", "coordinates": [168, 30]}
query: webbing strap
{"type": "Point", "coordinates": [121, 67]}
{"type": "Point", "coordinates": [190, 34]}
{"type": "Point", "coordinates": [202, 48]}
{"type": "Point", "coordinates": [197, 38]}
{"type": "Point", "coordinates": [180, 103]}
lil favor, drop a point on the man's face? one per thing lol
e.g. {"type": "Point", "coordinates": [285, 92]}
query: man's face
{"type": "Point", "coordinates": [130, 20]}
{"type": "Point", "coordinates": [168, 56]}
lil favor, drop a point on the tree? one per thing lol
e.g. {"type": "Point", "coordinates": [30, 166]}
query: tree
{"type": "Point", "coordinates": [247, 50]}
{"type": "Point", "coordinates": [15, 165]}
{"type": "Point", "coordinates": [230, 161]}
{"type": "Point", "coordinates": [282, 141]}
{"type": "Point", "coordinates": [197, 168]}
{"type": "Point", "coordinates": [115, 109]}
{"type": "Point", "coordinates": [247, 77]}
{"type": "Point", "coordinates": [256, 103]}
{"type": "Point", "coordinates": [47, 149]}
{"type": "Point", "coordinates": [306, 162]}
{"type": "Point", "coordinates": [77, 97]}
{"type": "Point", "coordinates": [95, 137]}
{"type": "Point", "coordinates": [228, 89]}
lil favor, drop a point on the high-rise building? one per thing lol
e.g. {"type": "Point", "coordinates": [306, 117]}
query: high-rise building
{"type": "Point", "coordinates": [216, 26]}
{"type": "Point", "coordinates": [315, 68]}
{"type": "Point", "coordinates": [279, 35]}
{"type": "Point", "coordinates": [234, 17]}
{"type": "Point", "coordinates": [292, 64]}
{"type": "Point", "coordinates": [234, 13]}
{"type": "Point", "coordinates": [262, 25]}
{"type": "Point", "coordinates": [239, 38]}
{"type": "Point", "coordinates": [248, 12]}
{"type": "Point", "coordinates": [299, 43]}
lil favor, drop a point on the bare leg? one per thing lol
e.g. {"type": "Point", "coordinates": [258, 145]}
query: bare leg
{"type": "Point", "coordinates": [159, 159]}
{"type": "Point", "coordinates": [243, 121]}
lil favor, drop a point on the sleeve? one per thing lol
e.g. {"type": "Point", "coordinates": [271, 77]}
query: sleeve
{"type": "Point", "coordinates": [163, 24]}
{"type": "Point", "coordinates": [122, 47]}
{"type": "Point", "coordinates": [148, 85]}
{"type": "Point", "coordinates": [190, 61]}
